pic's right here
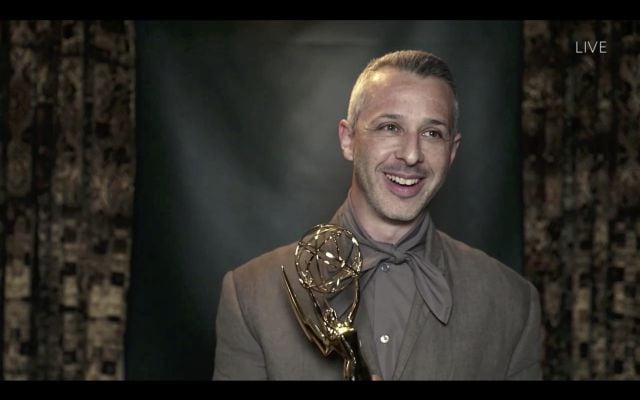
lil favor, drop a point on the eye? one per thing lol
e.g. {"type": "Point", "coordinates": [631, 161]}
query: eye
{"type": "Point", "coordinates": [432, 134]}
{"type": "Point", "coordinates": [389, 128]}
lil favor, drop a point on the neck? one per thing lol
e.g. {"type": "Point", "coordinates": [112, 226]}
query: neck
{"type": "Point", "coordinates": [378, 227]}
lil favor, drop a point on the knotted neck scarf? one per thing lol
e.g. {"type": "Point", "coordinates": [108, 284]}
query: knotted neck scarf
{"type": "Point", "coordinates": [415, 248]}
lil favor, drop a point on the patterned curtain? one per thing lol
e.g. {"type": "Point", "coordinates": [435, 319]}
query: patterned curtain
{"type": "Point", "coordinates": [66, 196]}
{"type": "Point", "coordinates": [581, 116]}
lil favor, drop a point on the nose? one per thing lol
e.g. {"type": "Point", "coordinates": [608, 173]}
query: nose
{"type": "Point", "coordinates": [410, 150]}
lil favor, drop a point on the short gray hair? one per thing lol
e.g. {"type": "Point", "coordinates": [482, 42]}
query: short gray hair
{"type": "Point", "coordinates": [419, 62]}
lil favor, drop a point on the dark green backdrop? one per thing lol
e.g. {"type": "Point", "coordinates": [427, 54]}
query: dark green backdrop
{"type": "Point", "coordinates": [238, 153]}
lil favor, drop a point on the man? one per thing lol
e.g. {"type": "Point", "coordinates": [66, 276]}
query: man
{"type": "Point", "coordinates": [432, 307]}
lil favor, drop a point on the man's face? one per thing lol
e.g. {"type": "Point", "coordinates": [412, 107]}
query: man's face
{"type": "Point", "coordinates": [401, 146]}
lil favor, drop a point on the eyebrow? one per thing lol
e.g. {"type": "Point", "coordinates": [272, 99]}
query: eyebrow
{"type": "Point", "coordinates": [390, 116]}
{"type": "Point", "coordinates": [428, 121]}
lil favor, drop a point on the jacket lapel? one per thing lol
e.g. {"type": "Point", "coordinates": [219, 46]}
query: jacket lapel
{"type": "Point", "coordinates": [417, 318]}
{"type": "Point", "coordinates": [427, 345]}
{"type": "Point", "coordinates": [426, 352]}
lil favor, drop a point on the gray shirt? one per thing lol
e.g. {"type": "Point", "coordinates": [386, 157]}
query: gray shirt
{"type": "Point", "coordinates": [388, 296]}
{"type": "Point", "coordinates": [393, 274]}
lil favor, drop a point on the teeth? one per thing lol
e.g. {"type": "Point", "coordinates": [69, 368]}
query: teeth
{"type": "Point", "coordinates": [402, 181]}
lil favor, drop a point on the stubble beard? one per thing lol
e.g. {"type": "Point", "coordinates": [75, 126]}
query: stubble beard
{"type": "Point", "coordinates": [383, 204]}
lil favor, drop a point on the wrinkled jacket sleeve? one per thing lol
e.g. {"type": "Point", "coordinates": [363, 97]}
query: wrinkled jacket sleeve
{"type": "Point", "coordinates": [238, 353]}
{"type": "Point", "coordinates": [526, 360]}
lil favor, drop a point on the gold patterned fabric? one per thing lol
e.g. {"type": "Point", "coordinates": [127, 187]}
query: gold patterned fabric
{"type": "Point", "coordinates": [581, 115]}
{"type": "Point", "coordinates": [66, 196]}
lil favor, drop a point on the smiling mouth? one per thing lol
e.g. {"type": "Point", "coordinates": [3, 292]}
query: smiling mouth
{"type": "Point", "coordinates": [403, 181]}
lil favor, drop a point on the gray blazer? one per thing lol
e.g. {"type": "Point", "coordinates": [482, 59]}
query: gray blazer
{"type": "Point", "coordinates": [494, 332]}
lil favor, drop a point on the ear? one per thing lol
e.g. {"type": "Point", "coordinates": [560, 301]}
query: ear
{"type": "Point", "coordinates": [345, 134]}
{"type": "Point", "coordinates": [454, 149]}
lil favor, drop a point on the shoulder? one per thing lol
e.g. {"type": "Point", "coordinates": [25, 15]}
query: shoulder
{"type": "Point", "coordinates": [495, 311]}
{"type": "Point", "coordinates": [473, 270]}
{"type": "Point", "coordinates": [262, 275]}
{"type": "Point", "coordinates": [267, 261]}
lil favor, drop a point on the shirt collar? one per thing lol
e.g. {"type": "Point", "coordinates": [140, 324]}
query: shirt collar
{"type": "Point", "coordinates": [420, 248]}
